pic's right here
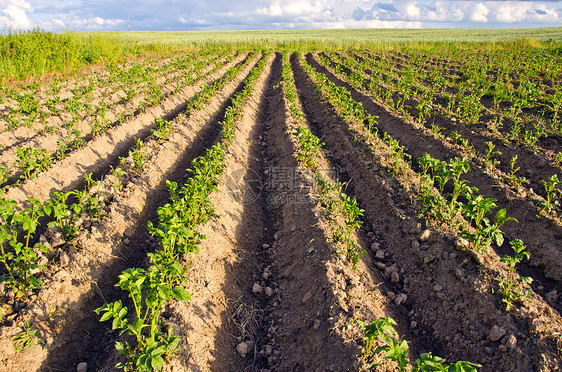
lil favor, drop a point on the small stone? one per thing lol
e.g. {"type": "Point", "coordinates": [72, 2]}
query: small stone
{"type": "Point", "coordinates": [415, 244]}
{"type": "Point", "coordinates": [242, 349]}
{"type": "Point", "coordinates": [257, 288]}
{"type": "Point", "coordinates": [379, 255]}
{"type": "Point", "coordinates": [400, 299]}
{"type": "Point", "coordinates": [64, 259]}
{"type": "Point", "coordinates": [413, 324]}
{"type": "Point", "coordinates": [265, 246]}
{"type": "Point", "coordinates": [391, 296]}
{"type": "Point", "coordinates": [57, 239]}
{"type": "Point", "coordinates": [293, 228]}
{"type": "Point", "coordinates": [394, 277]}
{"type": "Point", "coordinates": [461, 243]}
{"type": "Point", "coordinates": [510, 342]}
{"type": "Point", "coordinates": [266, 274]}
{"type": "Point", "coordinates": [268, 349]}
{"type": "Point", "coordinates": [275, 236]}
{"type": "Point", "coordinates": [306, 297]}
{"type": "Point", "coordinates": [488, 350]}
{"type": "Point", "coordinates": [502, 348]}
{"type": "Point", "coordinates": [380, 265]}
{"type": "Point", "coordinates": [496, 333]}
{"type": "Point", "coordinates": [477, 257]}
{"type": "Point", "coordinates": [424, 236]}
{"type": "Point", "coordinates": [268, 291]}
{"type": "Point", "coordinates": [82, 367]}
{"type": "Point", "coordinates": [437, 287]}
{"type": "Point", "coordinates": [316, 324]}
{"type": "Point", "coordinates": [375, 246]}
{"type": "Point", "coordinates": [126, 241]}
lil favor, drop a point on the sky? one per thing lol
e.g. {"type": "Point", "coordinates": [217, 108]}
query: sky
{"type": "Point", "coordinates": [194, 15]}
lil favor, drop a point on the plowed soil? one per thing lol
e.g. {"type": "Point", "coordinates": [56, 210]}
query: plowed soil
{"type": "Point", "coordinates": [270, 290]}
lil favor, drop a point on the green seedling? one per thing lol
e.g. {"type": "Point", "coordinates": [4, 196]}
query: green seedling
{"type": "Point", "coordinates": [382, 331]}
{"type": "Point", "coordinates": [25, 339]}
{"type": "Point", "coordinates": [490, 153]}
{"type": "Point", "coordinates": [32, 160]}
{"type": "Point", "coordinates": [553, 193]}
{"type": "Point", "coordinates": [458, 167]}
{"type": "Point", "coordinates": [138, 155]}
{"type": "Point", "coordinates": [17, 254]}
{"type": "Point", "coordinates": [510, 293]}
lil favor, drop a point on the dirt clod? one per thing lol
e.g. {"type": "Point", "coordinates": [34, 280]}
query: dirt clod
{"type": "Point", "coordinates": [425, 235]}
{"type": "Point", "coordinates": [82, 367]}
{"type": "Point", "coordinates": [242, 349]}
{"type": "Point", "coordinates": [496, 333]}
{"type": "Point", "coordinates": [510, 342]}
{"type": "Point", "coordinates": [306, 297]}
{"type": "Point", "coordinates": [400, 299]}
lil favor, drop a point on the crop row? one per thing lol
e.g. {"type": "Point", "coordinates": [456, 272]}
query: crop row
{"type": "Point", "coordinates": [67, 208]}
{"type": "Point", "coordinates": [45, 151]}
{"type": "Point", "coordinates": [523, 115]}
{"type": "Point", "coordinates": [468, 221]}
{"type": "Point", "coordinates": [485, 165]}
{"type": "Point", "coordinates": [149, 288]}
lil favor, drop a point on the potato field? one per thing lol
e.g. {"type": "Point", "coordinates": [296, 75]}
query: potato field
{"type": "Point", "coordinates": [219, 209]}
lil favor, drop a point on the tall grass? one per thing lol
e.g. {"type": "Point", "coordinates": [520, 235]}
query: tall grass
{"type": "Point", "coordinates": [34, 53]}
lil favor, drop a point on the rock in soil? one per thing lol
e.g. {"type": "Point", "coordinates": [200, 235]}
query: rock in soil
{"type": "Point", "coordinates": [242, 349]}
{"type": "Point", "coordinates": [257, 288]}
{"type": "Point", "coordinates": [496, 333]}
{"type": "Point", "coordinates": [82, 367]}
{"type": "Point", "coordinates": [425, 235]}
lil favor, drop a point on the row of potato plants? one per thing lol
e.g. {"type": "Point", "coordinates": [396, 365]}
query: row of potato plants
{"type": "Point", "coordinates": [33, 160]}
{"type": "Point", "coordinates": [549, 203]}
{"type": "Point", "coordinates": [103, 80]}
{"type": "Point", "coordinates": [28, 106]}
{"type": "Point", "coordinates": [90, 114]}
{"type": "Point", "coordinates": [138, 155]}
{"type": "Point", "coordinates": [67, 208]}
{"type": "Point", "coordinates": [148, 289]}
{"type": "Point", "coordinates": [527, 83]}
{"type": "Point", "coordinates": [467, 217]}
{"type": "Point", "coordinates": [333, 200]}
{"type": "Point", "coordinates": [461, 100]}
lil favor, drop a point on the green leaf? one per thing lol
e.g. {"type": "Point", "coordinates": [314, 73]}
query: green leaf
{"type": "Point", "coordinates": [157, 363]}
{"type": "Point", "coordinates": [108, 315]}
{"type": "Point", "coordinates": [181, 294]}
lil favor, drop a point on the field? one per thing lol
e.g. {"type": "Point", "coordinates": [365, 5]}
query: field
{"type": "Point", "coordinates": [283, 204]}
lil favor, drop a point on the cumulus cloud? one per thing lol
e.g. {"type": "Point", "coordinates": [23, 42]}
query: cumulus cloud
{"type": "Point", "coordinates": [480, 13]}
{"type": "Point", "coordinates": [14, 14]}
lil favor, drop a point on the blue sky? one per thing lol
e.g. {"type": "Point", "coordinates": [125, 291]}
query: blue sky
{"type": "Point", "coordinates": [180, 15]}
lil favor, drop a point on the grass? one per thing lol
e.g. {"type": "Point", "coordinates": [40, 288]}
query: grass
{"type": "Point", "coordinates": [342, 37]}
{"type": "Point", "coordinates": [25, 55]}
{"type": "Point", "coordinates": [36, 53]}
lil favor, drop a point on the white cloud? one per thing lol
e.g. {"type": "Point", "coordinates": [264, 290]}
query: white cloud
{"type": "Point", "coordinates": [512, 11]}
{"type": "Point", "coordinates": [15, 14]}
{"type": "Point", "coordinates": [480, 13]}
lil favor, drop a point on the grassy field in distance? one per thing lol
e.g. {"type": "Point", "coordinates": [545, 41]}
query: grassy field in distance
{"type": "Point", "coordinates": [344, 36]}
